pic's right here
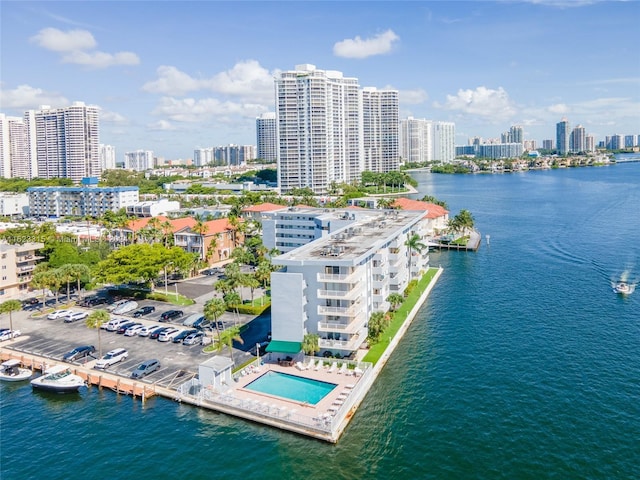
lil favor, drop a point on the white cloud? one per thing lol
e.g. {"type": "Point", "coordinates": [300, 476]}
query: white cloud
{"type": "Point", "coordinates": [246, 80]}
{"type": "Point", "coordinates": [27, 97]}
{"type": "Point", "coordinates": [193, 110]}
{"type": "Point", "coordinates": [59, 41]}
{"type": "Point", "coordinates": [101, 59]}
{"type": "Point", "coordinates": [363, 48]}
{"type": "Point", "coordinates": [77, 47]}
{"type": "Point", "coordinates": [482, 101]}
{"type": "Point", "coordinates": [161, 125]}
{"type": "Point", "coordinates": [558, 109]}
{"type": "Point", "coordinates": [112, 117]}
{"type": "Point", "coordinates": [413, 97]}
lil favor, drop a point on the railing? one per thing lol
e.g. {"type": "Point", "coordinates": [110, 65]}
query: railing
{"type": "Point", "coordinates": [339, 277]}
{"type": "Point", "coordinates": [342, 294]}
{"type": "Point", "coordinates": [346, 311]}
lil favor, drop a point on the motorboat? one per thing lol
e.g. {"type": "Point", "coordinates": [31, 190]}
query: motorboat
{"type": "Point", "coordinates": [58, 379]}
{"type": "Point", "coordinates": [10, 371]}
{"type": "Point", "coordinates": [623, 288]}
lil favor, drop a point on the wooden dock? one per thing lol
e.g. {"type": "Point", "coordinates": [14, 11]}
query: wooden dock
{"type": "Point", "coordinates": [472, 245]}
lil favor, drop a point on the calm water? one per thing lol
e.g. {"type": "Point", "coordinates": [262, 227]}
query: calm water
{"type": "Point", "coordinates": [522, 365]}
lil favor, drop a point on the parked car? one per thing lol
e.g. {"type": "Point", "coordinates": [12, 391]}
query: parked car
{"type": "Point", "coordinates": [168, 334]}
{"type": "Point", "coordinates": [116, 304]}
{"type": "Point", "coordinates": [194, 339]}
{"type": "Point", "coordinates": [75, 316]}
{"type": "Point", "coordinates": [9, 334]}
{"type": "Point", "coordinates": [211, 271]}
{"type": "Point", "coordinates": [146, 310]}
{"type": "Point", "coordinates": [154, 335]}
{"type": "Point", "coordinates": [191, 319]}
{"type": "Point", "coordinates": [148, 330]}
{"type": "Point", "coordinates": [93, 301]}
{"type": "Point", "coordinates": [182, 335]}
{"type": "Point", "coordinates": [171, 315]}
{"type": "Point", "coordinates": [115, 324]}
{"type": "Point", "coordinates": [125, 326]}
{"type": "Point", "coordinates": [201, 323]}
{"type": "Point", "coordinates": [126, 307]}
{"type": "Point", "coordinates": [133, 330]}
{"type": "Point", "coordinates": [112, 357]}
{"type": "Point", "coordinates": [145, 368]}
{"type": "Point", "coordinates": [31, 301]}
{"type": "Point", "coordinates": [79, 352]}
{"type": "Point", "coordinates": [59, 314]}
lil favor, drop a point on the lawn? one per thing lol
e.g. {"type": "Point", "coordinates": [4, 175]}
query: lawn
{"type": "Point", "coordinates": [376, 351]}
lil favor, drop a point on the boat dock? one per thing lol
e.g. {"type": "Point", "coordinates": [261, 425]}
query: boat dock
{"type": "Point", "coordinates": [472, 245]}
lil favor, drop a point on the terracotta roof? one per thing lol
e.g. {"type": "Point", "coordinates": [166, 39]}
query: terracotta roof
{"type": "Point", "coordinates": [176, 224]}
{"type": "Point", "coordinates": [263, 207]}
{"type": "Point", "coordinates": [433, 210]}
{"type": "Point", "coordinates": [140, 223]}
{"type": "Point", "coordinates": [213, 227]}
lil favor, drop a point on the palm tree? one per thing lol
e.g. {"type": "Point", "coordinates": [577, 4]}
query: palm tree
{"type": "Point", "coordinates": [395, 299]}
{"type": "Point", "coordinates": [213, 310]}
{"type": "Point", "coordinates": [201, 229]}
{"type": "Point", "coordinates": [232, 299]}
{"type": "Point", "coordinates": [66, 273]}
{"type": "Point", "coordinates": [79, 271]}
{"type": "Point", "coordinates": [167, 230]}
{"type": "Point", "coordinates": [9, 307]}
{"type": "Point", "coordinates": [41, 281]}
{"type": "Point", "coordinates": [228, 336]}
{"type": "Point", "coordinates": [385, 202]}
{"type": "Point", "coordinates": [310, 343]}
{"type": "Point", "coordinates": [414, 243]}
{"type": "Point", "coordinates": [95, 320]}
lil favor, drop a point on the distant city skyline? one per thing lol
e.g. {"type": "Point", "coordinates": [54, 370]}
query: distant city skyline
{"type": "Point", "coordinates": [172, 87]}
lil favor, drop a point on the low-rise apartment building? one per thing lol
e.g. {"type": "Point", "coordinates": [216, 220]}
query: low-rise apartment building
{"type": "Point", "coordinates": [17, 263]}
{"type": "Point", "coordinates": [79, 201]}
{"type": "Point", "coordinates": [331, 286]}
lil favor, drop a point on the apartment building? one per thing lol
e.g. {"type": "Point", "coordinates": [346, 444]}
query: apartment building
{"type": "Point", "coordinates": [14, 204]}
{"type": "Point", "coordinates": [331, 286]}
{"type": "Point", "coordinates": [213, 242]}
{"type": "Point", "coordinates": [17, 263]}
{"type": "Point", "coordinates": [266, 137]}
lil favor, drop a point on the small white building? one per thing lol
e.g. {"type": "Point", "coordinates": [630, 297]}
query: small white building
{"type": "Point", "coordinates": [216, 373]}
{"type": "Point", "coordinates": [14, 204]}
{"type": "Point", "coordinates": [153, 208]}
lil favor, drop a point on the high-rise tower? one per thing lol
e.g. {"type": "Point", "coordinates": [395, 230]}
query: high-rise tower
{"type": "Point", "coordinates": [562, 136]}
{"type": "Point", "coordinates": [266, 137]}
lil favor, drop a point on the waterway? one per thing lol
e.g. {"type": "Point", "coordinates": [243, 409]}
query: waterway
{"type": "Point", "coordinates": [523, 364]}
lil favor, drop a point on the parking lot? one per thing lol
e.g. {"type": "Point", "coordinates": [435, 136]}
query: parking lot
{"type": "Point", "coordinates": [53, 338]}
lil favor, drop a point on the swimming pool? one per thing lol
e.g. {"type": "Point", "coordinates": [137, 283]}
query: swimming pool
{"type": "Point", "coordinates": [291, 387]}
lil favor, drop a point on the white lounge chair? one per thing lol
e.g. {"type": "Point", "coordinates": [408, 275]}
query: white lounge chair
{"type": "Point", "coordinates": [319, 365]}
{"type": "Point", "coordinates": [343, 368]}
{"type": "Point", "coordinates": [301, 366]}
{"type": "Point", "coordinates": [311, 363]}
{"type": "Point", "coordinates": [333, 367]}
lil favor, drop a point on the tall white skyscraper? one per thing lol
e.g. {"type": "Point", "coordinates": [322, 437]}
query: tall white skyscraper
{"type": "Point", "coordinates": [380, 130]}
{"type": "Point", "coordinates": [416, 140]}
{"type": "Point", "coordinates": [202, 156]}
{"type": "Point", "coordinates": [578, 139]}
{"type": "Point", "coordinates": [66, 141]}
{"type": "Point", "coordinates": [15, 155]}
{"type": "Point", "coordinates": [323, 124]}
{"type": "Point", "coordinates": [444, 141]}
{"type": "Point", "coordinates": [107, 157]}
{"type": "Point", "coordinates": [140, 160]}
{"type": "Point", "coordinates": [562, 136]}
{"type": "Point", "coordinates": [266, 137]}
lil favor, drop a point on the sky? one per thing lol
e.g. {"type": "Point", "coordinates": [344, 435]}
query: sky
{"type": "Point", "coordinates": [174, 76]}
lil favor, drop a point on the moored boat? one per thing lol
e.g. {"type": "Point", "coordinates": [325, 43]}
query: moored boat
{"type": "Point", "coordinates": [58, 379]}
{"type": "Point", "coordinates": [10, 371]}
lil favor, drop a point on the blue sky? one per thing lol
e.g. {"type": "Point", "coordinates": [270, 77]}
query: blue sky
{"type": "Point", "coordinates": [173, 76]}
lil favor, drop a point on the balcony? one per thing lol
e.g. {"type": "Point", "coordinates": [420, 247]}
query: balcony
{"type": "Point", "coordinates": [342, 294]}
{"type": "Point", "coordinates": [350, 311]}
{"type": "Point", "coordinates": [352, 277]}
{"type": "Point", "coordinates": [352, 344]}
{"type": "Point", "coordinates": [340, 327]}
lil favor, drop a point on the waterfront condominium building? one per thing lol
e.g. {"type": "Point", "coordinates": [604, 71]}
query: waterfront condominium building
{"type": "Point", "coordinates": [547, 144]}
{"type": "Point", "coordinates": [381, 142]}
{"type": "Point", "coordinates": [107, 157]}
{"type": "Point", "coordinates": [514, 135]}
{"type": "Point", "coordinates": [327, 129]}
{"type": "Point", "coordinates": [416, 140]}
{"type": "Point", "coordinates": [332, 286]}
{"type": "Point", "coordinates": [79, 201]}
{"type": "Point", "coordinates": [266, 137]}
{"type": "Point", "coordinates": [15, 155]}
{"type": "Point", "coordinates": [67, 141]}
{"type": "Point", "coordinates": [578, 140]}
{"type": "Point", "coordinates": [444, 138]}
{"type": "Point", "coordinates": [140, 160]}
{"type": "Point", "coordinates": [562, 136]}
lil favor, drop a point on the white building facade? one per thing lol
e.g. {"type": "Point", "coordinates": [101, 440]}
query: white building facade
{"type": "Point", "coordinates": [381, 139]}
{"type": "Point", "coordinates": [266, 137]}
{"type": "Point", "coordinates": [202, 156]}
{"type": "Point", "coordinates": [331, 286]}
{"type": "Point", "coordinates": [79, 201]}
{"type": "Point", "coordinates": [14, 204]}
{"type": "Point", "coordinates": [107, 157]}
{"type": "Point", "coordinates": [139, 160]}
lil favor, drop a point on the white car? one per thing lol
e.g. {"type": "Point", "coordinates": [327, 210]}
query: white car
{"type": "Point", "coordinates": [59, 314]}
{"type": "Point", "coordinates": [8, 334]}
{"type": "Point", "coordinates": [75, 316]}
{"type": "Point", "coordinates": [146, 331]}
{"type": "Point", "coordinates": [119, 303]}
{"type": "Point", "coordinates": [112, 357]}
{"type": "Point", "coordinates": [168, 335]}
{"type": "Point", "coordinates": [127, 307]}
{"type": "Point", "coordinates": [133, 331]}
{"type": "Point", "coordinates": [115, 324]}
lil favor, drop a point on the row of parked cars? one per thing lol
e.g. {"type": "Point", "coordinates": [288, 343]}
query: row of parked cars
{"type": "Point", "coordinates": [111, 358]}
{"type": "Point", "coordinates": [128, 328]}
{"type": "Point", "coordinates": [68, 315]}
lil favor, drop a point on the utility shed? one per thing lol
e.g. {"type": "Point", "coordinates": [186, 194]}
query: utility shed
{"type": "Point", "coordinates": [216, 372]}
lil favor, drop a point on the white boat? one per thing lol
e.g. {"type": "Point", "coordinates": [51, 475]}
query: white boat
{"type": "Point", "coordinates": [623, 288]}
{"type": "Point", "coordinates": [10, 371]}
{"type": "Point", "coordinates": [58, 379]}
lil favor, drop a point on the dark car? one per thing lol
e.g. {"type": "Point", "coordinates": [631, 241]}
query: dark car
{"type": "Point", "coordinates": [211, 271]}
{"type": "Point", "coordinates": [79, 352]}
{"type": "Point", "coordinates": [171, 315]}
{"type": "Point", "coordinates": [93, 301]}
{"type": "Point", "coordinates": [182, 335]}
{"type": "Point", "coordinates": [145, 368]}
{"type": "Point", "coordinates": [201, 323]}
{"type": "Point", "coordinates": [157, 332]}
{"type": "Point", "coordinates": [146, 310]}
{"type": "Point", "coordinates": [124, 326]}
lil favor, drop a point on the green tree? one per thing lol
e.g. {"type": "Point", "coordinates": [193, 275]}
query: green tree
{"type": "Point", "coordinates": [232, 299]}
{"type": "Point", "coordinates": [42, 280]}
{"type": "Point", "coordinates": [10, 306]}
{"type": "Point", "coordinates": [95, 320]}
{"type": "Point", "coordinates": [376, 326]}
{"type": "Point", "coordinates": [311, 344]}
{"type": "Point", "coordinates": [435, 201]}
{"type": "Point", "coordinates": [228, 336]}
{"type": "Point", "coordinates": [213, 310]}
{"type": "Point", "coordinates": [138, 262]}
{"type": "Point", "coordinates": [462, 222]}
{"type": "Point", "coordinates": [414, 243]}
{"type": "Point", "coordinates": [395, 299]}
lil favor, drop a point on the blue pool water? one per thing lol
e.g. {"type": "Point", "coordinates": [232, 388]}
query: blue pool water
{"type": "Point", "coordinates": [291, 387]}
